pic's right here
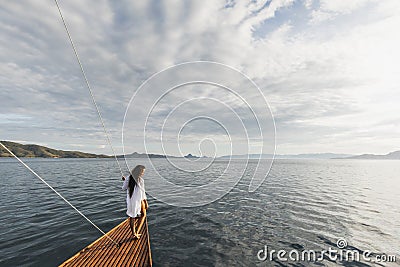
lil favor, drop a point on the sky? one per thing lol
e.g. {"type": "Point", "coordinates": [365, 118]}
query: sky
{"type": "Point", "coordinates": [329, 72]}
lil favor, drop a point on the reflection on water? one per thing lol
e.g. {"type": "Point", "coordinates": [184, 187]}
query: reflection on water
{"type": "Point", "coordinates": [303, 204]}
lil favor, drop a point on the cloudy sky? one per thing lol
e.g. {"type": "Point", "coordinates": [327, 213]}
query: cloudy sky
{"type": "Point", "coordinates": [329, 70]}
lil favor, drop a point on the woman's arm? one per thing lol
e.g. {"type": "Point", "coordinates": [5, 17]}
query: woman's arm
{"type": "Point", "coordinates": [126, 183]}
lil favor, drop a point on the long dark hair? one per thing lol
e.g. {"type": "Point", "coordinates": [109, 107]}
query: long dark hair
{"type": "Point", "coordinates": [134, 177]}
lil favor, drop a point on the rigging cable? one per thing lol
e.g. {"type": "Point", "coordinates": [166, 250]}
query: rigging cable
{"type": "Point", "coordinates": [55, 191]}
{"type": "Point", "coordinates": [88, 85]}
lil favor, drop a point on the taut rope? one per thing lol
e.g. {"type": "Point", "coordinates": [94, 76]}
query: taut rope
{"type": "Point", "coordinates": [88, 85]}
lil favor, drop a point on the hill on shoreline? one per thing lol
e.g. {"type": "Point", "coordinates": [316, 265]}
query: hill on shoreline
{"type": "Point", "coordinates": [36, 151]}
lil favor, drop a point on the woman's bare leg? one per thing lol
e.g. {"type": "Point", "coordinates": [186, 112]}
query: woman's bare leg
{"type": "Point", "coordinates": [137, 235]}
{"type": "Point", "coordinates": [133, 228]}
{"type": "Point", "coordinates": [132, 225]}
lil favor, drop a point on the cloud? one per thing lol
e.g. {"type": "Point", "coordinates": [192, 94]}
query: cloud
{"type": "Point", "coordinates": [329, 69]}
{"type": "Point", "coordinates": [343, 7]}
{"type": "Point", "coordinates": [329, 10]}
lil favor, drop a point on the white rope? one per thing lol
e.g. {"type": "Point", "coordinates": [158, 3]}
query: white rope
{"type": "Point", "coordinates": [63, 198]}
{"type": "Point", "coordinates": [88, 85]}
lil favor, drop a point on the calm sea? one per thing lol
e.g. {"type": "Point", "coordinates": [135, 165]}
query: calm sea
{"type": "Point", "coordinates": [302, 205]}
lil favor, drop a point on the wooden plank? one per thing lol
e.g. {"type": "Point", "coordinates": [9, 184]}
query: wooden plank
{"type": "Point", "coordinates": [125, 247]}
{"type": "Point", "coordinates": [102, 257]}
{"type": "Point", "coordinates": [117, 236]}
{"type": "Point", "coordinates": [126, 234]}
{"type": "Point", "coordinates": [143, 258]}
{"type": "Point", "coordinates": [115, 255]}
{"type": "Point", "coordinates": [150, 259]}
{"type": "Point", "coordinates": [134, 249]}
{"type": "Point", "coordinates": [103, 252]}
{"type": "Point", "coordinates": [82, 255]}
{"type": "Point", "coordinates": [139, 251]}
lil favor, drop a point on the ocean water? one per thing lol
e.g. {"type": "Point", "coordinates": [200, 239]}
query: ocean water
{"type": "Point", "coordinates": [302, 205]}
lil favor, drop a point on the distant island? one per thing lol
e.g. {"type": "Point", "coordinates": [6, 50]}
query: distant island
{"type": "Point", "coordinates": [391, 155]}
{"type": "Point", "coordinates": [288, 156]}
{"type": "Point", "coordinates": [144, 155]}
{"type": "Point", "coordinates": [190, 156]}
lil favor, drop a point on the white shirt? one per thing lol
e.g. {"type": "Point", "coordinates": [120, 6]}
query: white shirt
{"type": "Point", "coordinates": [133, 204]}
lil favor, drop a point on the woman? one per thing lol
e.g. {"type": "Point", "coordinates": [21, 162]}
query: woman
{"type": "Point", "coordinates": [136, 201]}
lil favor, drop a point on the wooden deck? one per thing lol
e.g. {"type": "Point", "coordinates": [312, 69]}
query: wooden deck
{"type": "Point", "coordinates": [103, 252]}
